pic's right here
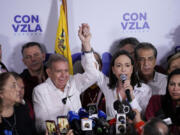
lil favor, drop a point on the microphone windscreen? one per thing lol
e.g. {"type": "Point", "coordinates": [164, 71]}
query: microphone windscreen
{"type": "Point", "coordinates": [72, 115]}
{"type": "Point", "coordinates": [128, 110]}
{"type": "Point", "coordinates": [99, 130]}
{"type": "Point", "coordinates": [83, 113]}
{"type": "Point", "coordinates": [123, 77]}
{"type": "Point", "coordinates": [112, 121]}
{"type": "Point", "coordinates": [118, 106]}
{"type": "Point", "coordinates": [102, 114]}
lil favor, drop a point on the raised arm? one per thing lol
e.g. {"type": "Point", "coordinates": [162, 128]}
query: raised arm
{"type": "Point", "coordinates": [85, 37]}
{"type": "Point", "coordinates": [88, 61]}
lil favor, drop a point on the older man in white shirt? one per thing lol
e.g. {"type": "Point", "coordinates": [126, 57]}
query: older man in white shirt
{"type": "Point", "coordinates": [60, 93]}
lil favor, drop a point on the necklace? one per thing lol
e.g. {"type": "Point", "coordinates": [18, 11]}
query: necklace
{"type": "Point", "coordinates": [92, 99]}
{"type": "Point", "coordinates": [12, 126]}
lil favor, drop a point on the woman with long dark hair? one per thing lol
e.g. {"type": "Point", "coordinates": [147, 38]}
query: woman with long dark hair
{"type": "Point", "coordinates": [114, 87]}
{"type": "Point", "coordinates": [167, 105]}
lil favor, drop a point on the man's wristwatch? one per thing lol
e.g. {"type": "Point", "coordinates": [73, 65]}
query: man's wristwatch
{"type": "Point", "coordinates": [88, 51]}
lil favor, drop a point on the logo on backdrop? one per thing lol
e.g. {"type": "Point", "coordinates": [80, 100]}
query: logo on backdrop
{"type": "Point", "coordinates": [135, 22]}
{"type": "Point", "coordinates": [26, 24]}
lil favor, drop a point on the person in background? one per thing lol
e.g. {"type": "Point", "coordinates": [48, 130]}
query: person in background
{"type": "Point", "coordinates": [23, 125]}
{"type": "Point", "coordinates": [33, 57]}
{"type": "Point", "coordinates": [22, 101]}
{"type": "Point", "coordinates": [21, 86]}
{"type": "Point", "coordinates": [146, 55]}
{"type": "Point", "coordinates": [128, 44]}
{"type": "Point", "coordinates": [168, 105]}
{"type": "Point", "coordinates": [93, 95]}
{"type": "Point", "coordinates": [2, 66]}
{"type": "Point", "coordinates": [14, 117]}
{"type": "Point", "coordinates": [154, 126]}
{"type": "Point", "coordinates": [173, 62]}
{"type": "Point", "coordinates": [113, 87]}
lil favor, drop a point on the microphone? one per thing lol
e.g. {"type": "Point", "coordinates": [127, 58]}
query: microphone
{"type": "Point", "coordinates": [120, 125]}
{"type": "Point", "coordinates": [112, 121]}
{"type": "Point", "coordinates": [128, 110]}
{"type": "Point", "coordinates": [74, 121]}
{"type": "Point", "coordinates": [64, 100]}
{"type": "Point", "coordinates": [86, 123]}
{"type": "Point", "coordinates": [128, 95]}
{"type": "Point", "coordinates": [102, 114]}
{"type": "Point", "coordinates": [101, 125]}
{"type": "Point", "coordinates": [83, 113]}
{"type": "Point", "coordinates": [123, 77]}
{"type": "Point", "coordinates": [118, 106]}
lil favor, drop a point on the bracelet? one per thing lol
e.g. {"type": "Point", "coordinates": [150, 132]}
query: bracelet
{"type": "Point", "coordinates": [88, 51]}
{"type": "Point", "coordinates": [138, 126]}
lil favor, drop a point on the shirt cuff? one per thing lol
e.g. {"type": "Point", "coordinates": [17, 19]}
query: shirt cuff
{"type": "Point", "coordinates": [88, 51]}
{"type": "Point", "coordinates": [134, 104]}
{"type": "Point", "coordinates": [88, 55]}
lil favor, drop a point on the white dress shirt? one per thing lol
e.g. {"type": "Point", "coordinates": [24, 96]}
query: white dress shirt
{"type": "Point", "coordinates": [158, 84]}
{"type": "Point", "coordinates": [142, 95]}
{"type": "Point", "coordinates": [47, 99]}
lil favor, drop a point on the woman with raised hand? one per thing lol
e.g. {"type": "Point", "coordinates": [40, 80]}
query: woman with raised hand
{"type": "Point", "coordinates": [121, 78]}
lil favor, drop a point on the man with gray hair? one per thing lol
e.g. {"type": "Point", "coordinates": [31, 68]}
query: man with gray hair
{"type": "Point", "coordinates": [60, 93]}
{"type": "Point", "coordinates": [145, 55]}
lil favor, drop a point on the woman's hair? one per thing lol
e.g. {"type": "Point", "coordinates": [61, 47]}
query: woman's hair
{"type": "Point", "coordinates": [172, 58]}
{"type": "Point", "coordinates": [167, 102]}
{"type": "Point", "coordinates": [113, 79]}
{"type": "Point", "coordinates": [3, 80]}
{"type": "Point", "coordinates": [16, 75]}
{"type": "Point", "coordinates": [99, 60]}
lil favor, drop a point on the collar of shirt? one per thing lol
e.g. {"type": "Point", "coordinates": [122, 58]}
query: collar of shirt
{"type": "Point", "coordinates": [155, 78]}
{"type": "Point", "coordinates": [141, 89]}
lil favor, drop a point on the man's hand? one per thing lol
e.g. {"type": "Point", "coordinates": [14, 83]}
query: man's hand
{"type": "Point", "coordinates": [85, 36]}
